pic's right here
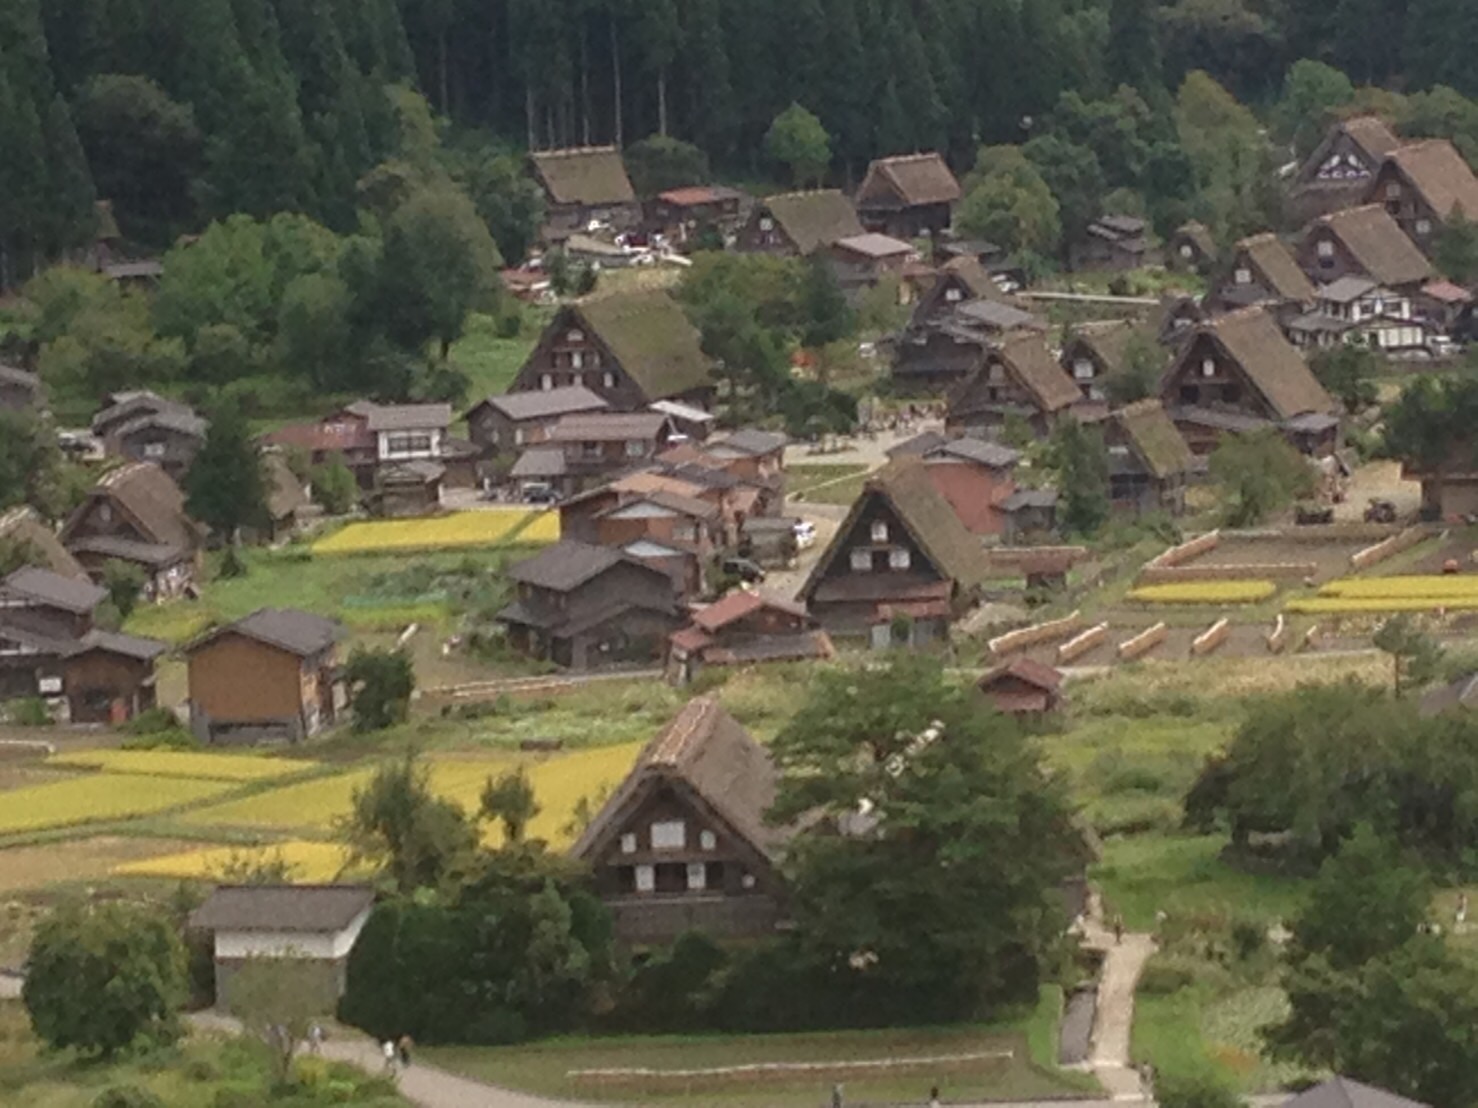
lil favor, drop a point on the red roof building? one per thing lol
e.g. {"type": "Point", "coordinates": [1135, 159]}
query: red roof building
{"type": "Point", "coordinates": [1022, 687]}
{"type": "Point", "coordinates": [743, 628]}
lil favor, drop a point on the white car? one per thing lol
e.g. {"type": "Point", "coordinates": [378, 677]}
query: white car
{"type": "Point", "coordinates": [805, 534]}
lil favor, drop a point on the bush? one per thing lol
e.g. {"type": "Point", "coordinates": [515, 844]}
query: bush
{"type": "Point", "coordinates": [1198, 1089]}
{"type": "Point", "coordinates": [510, 324]}
{"type": "Point", "coordinates": [708, 680]}
{"type": "Point", "coordinates": [202, 1069]}
{"type": "Point", "coordinates": [1162, 977]}
{"type": "Point", "coordinates": [30, 711]}
{"type": "Point", "coordinates": [152, 721]}
{"type": "Point", "coordinates": [126, 1096]}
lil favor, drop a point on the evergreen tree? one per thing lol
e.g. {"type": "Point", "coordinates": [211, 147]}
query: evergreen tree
{"type": "Point", "coordinates": [1134, 45]}
{"type": "Point", "coordinates": [71, 211]}
{"type": "Point", "coordinates": [1081, 463]}
{"type": "Point", "coordinates": [226, 487]}
{"type": "Point", "coordinates": [23, 182]}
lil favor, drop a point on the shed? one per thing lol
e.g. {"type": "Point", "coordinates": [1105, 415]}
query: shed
{"type": "Point", "coordinates": [1022, 687]}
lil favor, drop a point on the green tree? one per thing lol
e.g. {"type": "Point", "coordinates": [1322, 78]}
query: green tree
{"type": "Point", "coordinates": [1075, 178]}
{"type": "Point", "coordinates": [316, 332]}
{"type": "Point", "coordinates": [826, 316]}
{"type": "Point", "coordinates": [1457, 248]}
{"type": "Point", "coordinates": [1007, 202]}
{"type": "Point", "coordinates": [1201, 1088]}
{"type": "Point", "coordinates": [398, 824]}
{"type": "Point", "coordinates": [1141, 367]}
{"type": "Point", "coordinates": [104, 978]}
{"type": "Point", "coordinates": [659, 162]}
{"type": "Point", "coordinates": [1348, 373]}
{"type": "Point", "coordinates": [226, 487]}
{"type": "Point", "coordinates": [509, 800]}
{"type": "Point", "coordinates": [1258, 475]}
{"type": "Point", "coordinates": [279, 1004]}
{"type": "Point", "coordinates": [124, 581]}
{"type": "Point", "coordinates": [1428, 428]}
{"type": "Point", "coordinates": [334, 487]}
{"type": "Point", "coordinates": [71, 219]}
{"type": "Point", "coordinates": [1415, 655]}
{"type": "Point", "coordinates": [381, 684]}
{"type": "Point", "coordinates": [797, 141]}
{"type": "Point", "coordinates": [509, 203]}
{"type": "Point", "coordinates": [1313, 93]}
{"type": "Point", "coordinates": [1081, 462]}
{"type": "Point", "coordinates": [31, 464]}
{"type": "Point", "coordinates": [1229, 156]}
{"type": "Point", "coordinates": [942, 895]}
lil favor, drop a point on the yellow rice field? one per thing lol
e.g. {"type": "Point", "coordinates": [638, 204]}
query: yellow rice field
{"type": "Point", "coordinates": [171, 763]}
{"type": "Point", "coordinates": [1432, 585]}
{"type": "Point", "coordinates": [472, 528]}
{"type": "Point", "coordinates": [1353, 605]}
{"type": "Point", "coordinates": [1205, 592]}
{"type": "Point", "coordinates": [97, 797]}
{"type": "Point", "coordinates": [543, 529]}
{"type": "Point", "coordinates": [306, 862]}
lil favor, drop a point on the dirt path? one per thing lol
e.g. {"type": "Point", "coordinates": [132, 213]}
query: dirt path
{"type": "Point", "coordinates": [1113, 1022]}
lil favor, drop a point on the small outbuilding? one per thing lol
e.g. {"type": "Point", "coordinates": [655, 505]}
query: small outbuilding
{"type": "Point", "coordinates": [1022, 687]}
{"type": "Point", "coordinates": [314, 925]}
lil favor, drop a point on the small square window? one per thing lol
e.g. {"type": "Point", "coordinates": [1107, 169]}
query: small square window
{"type": "Point", "coordinates": [153, 450]}
{"type": "Point", "coordinates": [628, 843]}
{"type": "Point", "coordinates": [646, 879]}
{"type": "Point", "coordinates": [1208, 367]}
{"type": "Point", "coordinates": [575, 335]}
{"type": "Point", "coordinates": [951, 295]}
{"type": "Point", "coordinates": [747, 880]}
{"type": "Point", "coordinates": [879, 531]}
{"type": "Point", "coordinates": [1243, 276]}
{"type": "Point", "coordinates": [898, 559]}
{"type": "Point", "coordinates": [1424, 226]}
{"type": "Point", "coordinates": [697, 875]}
{"type": "Point", "coordinates": [1187, 251]}
{"type": "Point", "coordinates": [1393, 190]}
{"type": "Point", "coordinates": [861, 561]}
{"type": "Point", "coordinates": [707, 840]}
{"type": "Point", "coordinates": [669, 834]}
{"type": "Point", "coordinates": [608, 379]}
{"type": "Point", "coordinates": [1083, 369]}
{"type": "Point", "coordinates": [1326, 248]}
{"type": "Point", "coordinates": [766, 223]}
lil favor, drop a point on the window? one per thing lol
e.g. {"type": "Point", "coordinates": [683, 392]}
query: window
{"type": "Point", "coordinates": [518, 436]}
{"type": "Point", "coordinates": [669, 834]}
{"type": "Point", "coordinates": [577, 360]}
{"type": "Point", "coordinates": [861, 561]}
{"type": "Point", "coordinates": [898, 558]}
{"type": "Point", "coordinates": [105, 512]}
{"type": "Point", "coordinates": [707, 840]}
{"type": "Point", "coordinates": [636, 448]}
{"type": "Point", "coordinates": [409, 443]}
{"type": "Point", "coordinates": [1326, 248]}
{"type": "Point", "coordinates": [608, 379]}
{"type": "Point", "coordinates": [766, 223]}
{"type": "Point", "coordinates": [1243, 276]}
{"type": "Point", "coordinates": [879, 531]}
{"type": "Point", "coordinates": [1208, 367]}
{"type": "Point", "coordinates": [1190, 394]}
{"type": "Point", "coordinates": [646, 879]}
{"type": "Point", "coordinates": [697, 875]}
{"type": "Point", "coordinates": [1083, 369]}
{"type": "Point", "coordinates": [577, 378]}
{"type": "Point", "coordinates": [1187, 251]}
{"type": "Point", "coordinates": [1424, 226]}
{"type": "Point", "coordinates": [546, 381]}
{"type": "Point", "coordinates": [952, 295]}
{"type": "Point", "coordinates": [628, 843]}
{"type": "Point", "coordinates": [574, 334]}
{"type": "Point", "coordinates": [747, 880]}
{"type": "Point", "coordinates": [1393, 190]}
{"type": "Point", "coordinates": [687, 532]}
{"type": "Point", "coordinates": [153, 450]}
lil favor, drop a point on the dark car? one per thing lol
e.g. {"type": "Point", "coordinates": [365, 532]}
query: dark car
{"type": "Point", "coordinates": [751, 573]}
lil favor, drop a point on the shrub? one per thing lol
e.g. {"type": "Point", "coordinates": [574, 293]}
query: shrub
{"type": "Point", "coordinates": [202, 1069]}
{"type": "Point", "coordinates": [126, 1096]}
{"type": "Point", "coordinates": [30, 711]}
{"type": "Point", "coordinates": [1162, 977]}
{"type": "Point", "coordinates": [152, 721]}
{"type": "Point", "coordinates": [708, 680]}
{"type": "Point", "coordinates": [1201, 1088]}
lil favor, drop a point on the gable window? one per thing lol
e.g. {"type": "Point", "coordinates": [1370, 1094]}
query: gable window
{"type": "Point", "coordinates": [1187, 250]}
{"type": "Point", "coordinates": [646, 879]}
{"type": "Point", "coordinates": [697, 875]}
{"type": "Point", "coordinates": [1243, 276]}
{"type": "Point", "coordinates": [546, 381]}
{"type": "Point", "coordinates": [861, 560]}
{"type": "Point", "coordinates": [898, 558]}
{"type": "Point", "coordinates": [707, 840]}
{"type": "Point", "coordinates": [608, 379]}
{"type": "Point", "coordinates": [1424, 226]}
{"type": "Point", "coordinates": [105, 512]}
{"type": "Point", "coordinates": [1083, 369]}
{"type": "Point", "coordinates": [766, 223]}
{"type": "Point", "coordinates": [1393, 190]}
{"type": "Point", "coordinates": [952, 295]}
{"type": "Point", "coordinates": [1208, 367]}
{"type": "Point", "coordinates": [879, 531]}
{"type": "Point", "coordinates": [153, 450]}
{"type": "Point", "coordinates": [574, 334]}
{"type": "Point", "coordinates": [577, 359]}
{"type": "Point", "coordinates": [1326, 248]}
{"type": "Point", "coordinates": [669, 834]}
{"type": "Point", "coordinates": [628, 843]}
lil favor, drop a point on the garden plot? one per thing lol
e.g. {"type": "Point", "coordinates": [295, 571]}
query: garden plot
{"type": "Point", "coordinates": [1327, 556]}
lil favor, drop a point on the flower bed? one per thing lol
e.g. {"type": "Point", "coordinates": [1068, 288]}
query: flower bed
{"type": "Point", "coordinates": [1205, 592]}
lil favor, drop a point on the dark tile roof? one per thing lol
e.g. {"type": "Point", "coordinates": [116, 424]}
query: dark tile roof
{"type": "Point", "coordinates": [564, 566]}
{"type": "Point", "coordinates": [155, 554]}
{"type": "Point", "coordinates": [992, 455]}
{"type": "Point", "coordinates": [751, 441]}
{"type": "Point", "coordinates": [814, 219]}
{"type": "Point", "coordinates": [708, 751]}
{"type": "Point", "coordinates": [115, 642]}
{"type": "Point", "coordinates": [403, 417]}
{"type": "Point", "coordinates": [1437, 171]}
{"type": "Point", "coordinates": [919, 445]}
{"type": "Point", "coordinates": [1277, 266]}
{"type": "Point", "coordinates": [1378, 244]}
{"type": "Point", "coordinates": [297, 632]}
{"type": "Point", "coordinates": [650, 336]}
{"type": "Point", "coordinates": [740, 603]}
{"type": "Point", "coordinates": [916, 179]}
{"type": "Point", "coordinates": [544, 403]}
{"type": "Point", "coordinates": [608, 427]}
{"type": "Point", "coordinates": [584, 175]}
{"type": "Point", "coordinates": [1029, 498]}
{"type": "Point", "coordinates": [127, 406]}
{"type": "Point", "coordinates": [540, 461]}
{"type": "Point", "coordinates": [870, 244]}
{"type": "Point", "coordinates": [54, 590]}
{"type": "Point", "coordinates": [10, 375]}
{"type": "Point", "coordinates": [315, 909]}
{"type": "Point", "coordinates": [996, 313]}
{"type": "Point", "coordinates": [180, 420]}
{"type": "Point", "coordinates": [1342, 1092]}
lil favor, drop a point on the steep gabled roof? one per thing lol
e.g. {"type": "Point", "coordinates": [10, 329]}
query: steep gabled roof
{"type": "Point", "coordinates": [1438, 172]}
{"type": "Point", "coordinates": [1277, 266]}
{"type": "Point", "coordinates": [584, 175]}
{"type": "Point", "coordinates": [1152, 435]}
{"type": "Point", "coordinates": [23, 526]}
{"type": "Point", "coordinates": [650, 336]}
{"type": "Point", "coordinates": [813, 219]}
{"type": "Point", "coordinates": [1378, 244]}
{"type": "Point", "coordinates": [708, 751]}
{"type": "Point", "coordinates": [915, 179]}
{"type": "Point", "coordinates": [151, 497]}
{"type": "Point", "coordinates": [1199, 234]}
{"type": "Point", "coordinates": [904, 484]}
{"type": "Point", "coordinates": [1252, 338]}
{"type": "Point", "coordinates": [1027, 358]}
{"type": "Point", "coordinates": [1370, 133]}
{"type": "Point", "coordinates": [1107, 340]}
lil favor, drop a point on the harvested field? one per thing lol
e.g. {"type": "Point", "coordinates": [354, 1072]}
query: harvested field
{"type": "Point", "coordinates": [1244, 640]}
{"type": "Point", "coordinates": [1330, 557]}
{"type": "Point", "coordinates": [33, 867]}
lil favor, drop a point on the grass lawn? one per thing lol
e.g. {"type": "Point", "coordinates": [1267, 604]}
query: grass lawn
{"type": "Point", "coordinates": [490, 360]}
{"type": "Point", "coordinates": [825, 484]}
{"type": "Point", "coordinates": [547, 1067]}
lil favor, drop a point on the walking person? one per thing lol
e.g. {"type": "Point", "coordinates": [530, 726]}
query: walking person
{"type": "Point", "coordinates": [388, 1048]}
{"type": "Point", "coordinates": [315, 1039]}
{"type": "Point", "coordinates": [1118, 929]}
{"type": "Point", "coordinates": [934, 1097]}
{"type": "Point", "coordinates": [836, 1095]}
{"type": "Point", "coordinates": [404, 1047]}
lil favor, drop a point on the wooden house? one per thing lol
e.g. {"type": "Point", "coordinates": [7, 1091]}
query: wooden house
{"type": "Point", "coordinates": [501, 426]}
{"type": "Point", "coordinates": [1338, 173]}
{"type": "Point", "coordinates": [20, 391]}
{"type": "Point", "coordinates": [864, 261]}
{"type": "Point", "coordinates": [908, 196]}
{"type": "Point", "coordinates": [136, 514]}
{"type": "Point", "coordinates": [683, 844]}
{"type": "Point", "coordinates": [797, 224]}
{"type": "Point", "coordinates": [584, 450]}
{"type": "Point", "coordinates": [1150, 463]}
{"type": "Point", "coordinates": [1022, 687]}
{"type": "Point", "coordinates": [410, 488]}
{"type": "Point", "coordinates": [1191, 248]}
{"type": "Point", "coordinates": [975, 476]}
{"type": "Point", "coordinates": [1019, 378]}
{"type": "Point", "coordinates": [630, 349]}
{"type": "Point", "coordinates": [1357, 310]}
{"type": "Point", "coordinates": [746, 627]}
{"type": "Point", "coordinates": [145, 427]}
{"type": "Point", "coordinates": [1445, 306]}
{"type": "Point", "coordinates": [1421, 185]}
{"type": "Point", "coordinates": [51, 648]}
{"type": "Point", "coordinates": [1113, 242]}
{"type": "Point", "coordinates": [270, 676]}
{"type": "Point", "coordinates": [1237, 373]}
{"type": "Point", "coordinates": [1263, 272]}
{"type": "Point", "coordinates": [1363, 242]}
{"type": "Point", "coordinates": [900, 567]}
{"type": "Point", "coordinates": [584, 185]}
{"type": "Point", "coordinates": [585, 607]}
{"type": "Point", "coordinates": [686, 215]}
{"type": "Point", "coordinates": [1094, 352]}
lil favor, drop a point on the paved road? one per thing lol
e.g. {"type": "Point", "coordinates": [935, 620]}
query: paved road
{"type": "Point", "coordinates": [1124, 959]}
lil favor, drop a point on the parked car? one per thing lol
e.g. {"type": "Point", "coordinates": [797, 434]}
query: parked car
{"type": "Point", "coordinates": [1380, 511]}
{"type": "Point", "coordinates": [537, 492]}
{"type": "Point", "coordinates": [751, 573]}
{"type": "Point", "coordinates": [805, 534]}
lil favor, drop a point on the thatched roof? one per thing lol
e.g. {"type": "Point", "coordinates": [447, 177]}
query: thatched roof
{"type": "Point", "coordinates": [584, 175]}
{"type": "Point", "coordinates": [705, 750]}
{"type": "Point", "coordinates": [914, 179]}
{"type": "Point", "coordinates": [1105, 339]}
{"type": "Point", "coordinates": [1438, 172]}
{"type": "Point", "coordinates": [650, 336]}
{"type": "Point", "coordinates": [1370, 134]}
{"type": "Point", "coordinates": [1152, 435]}
{"type": "Point", "coordinates": [151, 498]}
{"type": "Point", "coordinates": [1267, 254]}
{"type": "Point", "coordinates": [1027, 358]}
{"type": "Point", "coordinates": [814, 219]}
{"type": "Point", "coordinates": [23, 527]}
{"type": "Point", "coordinates": [1378, 244]}
{"type": "Point", "coordinates": [1252, 339]}
{"type": "Point", "coordinates": [1198, 233]}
